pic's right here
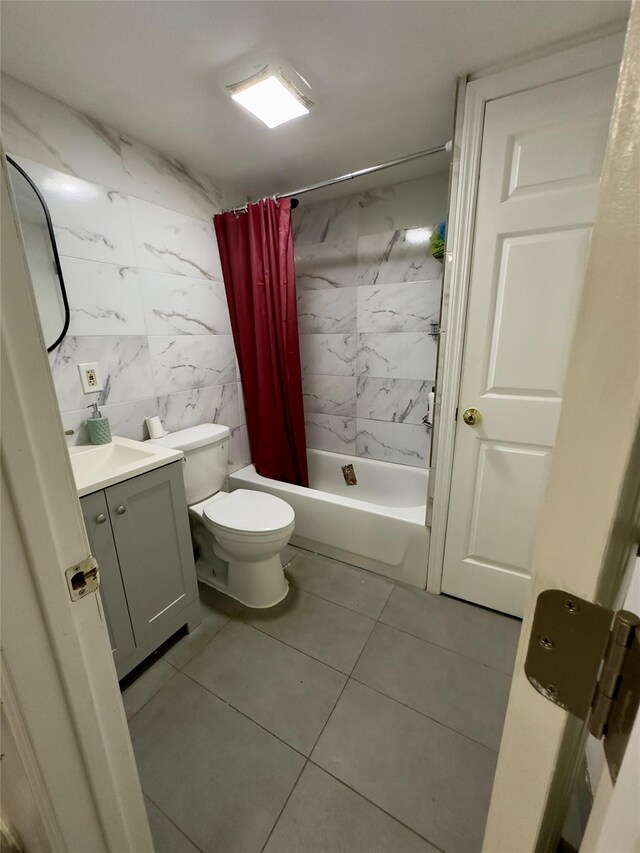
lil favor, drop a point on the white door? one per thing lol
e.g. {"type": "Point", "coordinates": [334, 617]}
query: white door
{"type": "Point", "coordinates": [542, 154]}
{"type": "Point", "coordinates": [590, 519]}
{"type": "Point", "coordinates": [69, 769]}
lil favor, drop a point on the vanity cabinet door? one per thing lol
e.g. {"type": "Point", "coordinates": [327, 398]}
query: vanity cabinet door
{"type": "Point", "coordinates": [96, 520]}
{"type": "Point", "coordinates": [151, 531]}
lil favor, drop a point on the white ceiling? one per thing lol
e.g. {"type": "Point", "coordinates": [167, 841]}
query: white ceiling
{"type": "Point", "coordinates": [383, 73]}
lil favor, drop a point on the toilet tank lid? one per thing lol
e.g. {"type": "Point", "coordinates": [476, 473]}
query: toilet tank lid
{"type": "Point", "coordinates": [197, 436]}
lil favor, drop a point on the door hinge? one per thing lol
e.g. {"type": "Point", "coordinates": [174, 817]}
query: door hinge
{"type": "Point", "coordinates": [586, 659]}
{"type": "Point", "coordinates": [83, 578]}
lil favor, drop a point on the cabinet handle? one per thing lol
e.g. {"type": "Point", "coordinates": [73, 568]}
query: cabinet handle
{"type": "Point", "coordinates": [121, 510]}
{"type": "Point", "coordinates": [101, 518]}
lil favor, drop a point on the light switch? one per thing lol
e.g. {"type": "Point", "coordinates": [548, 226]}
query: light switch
{"type": "Point", "coordinates": [90, 378]}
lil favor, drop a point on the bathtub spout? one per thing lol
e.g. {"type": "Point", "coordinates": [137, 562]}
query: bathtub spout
{"type": "Point", "coordinates": [349, 475]}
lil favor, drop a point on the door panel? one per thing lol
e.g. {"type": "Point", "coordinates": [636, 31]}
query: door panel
{"type": "Point", "coordinates": [550, 159]}
{"type": "Point", "coordinates": [542, 152]}
{"type": "Point", "coordinates": [151, 527]}
{"type": "Point", "coordinates": [501, 465]}
{"type": "Point", "coordinates": [538, 278]}
{"type": "Point", "coordinates": [96, 520]}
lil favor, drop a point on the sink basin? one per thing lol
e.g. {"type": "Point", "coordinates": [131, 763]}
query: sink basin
{"type": "Point", "coordinates": [96, 466]}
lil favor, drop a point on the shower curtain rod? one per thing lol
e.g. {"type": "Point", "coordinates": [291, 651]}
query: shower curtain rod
{"type": "Point", "coordinates": [350, 176]}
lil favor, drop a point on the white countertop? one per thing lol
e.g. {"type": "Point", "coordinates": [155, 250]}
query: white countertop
{"type": "Point", "coordinates": [97, 466]}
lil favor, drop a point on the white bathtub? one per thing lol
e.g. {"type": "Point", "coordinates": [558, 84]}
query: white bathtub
{"type": "Point", "coordinates": [378, 524]}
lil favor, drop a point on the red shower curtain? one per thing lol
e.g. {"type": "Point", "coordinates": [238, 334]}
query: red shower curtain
{"type": "Point", "coordinates": [256, 251]}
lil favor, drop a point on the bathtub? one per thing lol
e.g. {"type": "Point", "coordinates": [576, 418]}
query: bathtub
{"type": "Point", "coordinates": [379, 524]}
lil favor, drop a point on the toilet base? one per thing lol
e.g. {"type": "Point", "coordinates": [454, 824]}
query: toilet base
{"type": "Point", "coordinates": [257, 585]}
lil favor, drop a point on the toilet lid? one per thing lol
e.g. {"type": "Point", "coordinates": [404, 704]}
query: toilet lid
{"type": "Point", "coordinates": [249, 511]}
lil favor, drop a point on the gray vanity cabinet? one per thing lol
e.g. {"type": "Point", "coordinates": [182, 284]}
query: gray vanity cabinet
{"type": "Point", "coordinates": [148, 579]}
{"type": "Point", "coordinates": [96, 520]}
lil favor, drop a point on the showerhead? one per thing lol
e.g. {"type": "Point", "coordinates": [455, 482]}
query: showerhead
{"type": "Point", "coordinates": [294, 203]}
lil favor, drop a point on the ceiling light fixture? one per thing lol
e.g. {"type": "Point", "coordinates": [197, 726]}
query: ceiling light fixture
{"type": "Point", "coordinates": [270, 93]}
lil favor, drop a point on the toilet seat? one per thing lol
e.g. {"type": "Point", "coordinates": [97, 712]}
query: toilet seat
{"type": "Point", "coordinates": [248, 513]}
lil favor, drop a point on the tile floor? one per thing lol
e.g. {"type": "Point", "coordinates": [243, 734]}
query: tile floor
{"type": "Point", "coordinates": [358, 716]}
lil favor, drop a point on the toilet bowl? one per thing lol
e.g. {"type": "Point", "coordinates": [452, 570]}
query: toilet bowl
{"type": "Point", "coordinates": [249, 531]}
{"type": "Point", "coordinates": [240, 535]}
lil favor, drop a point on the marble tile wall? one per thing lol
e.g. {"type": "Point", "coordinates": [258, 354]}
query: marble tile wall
{"type": "Point", "coordinates": [142, 272]}
{"type": "Point", "coordinates": [367, 297]}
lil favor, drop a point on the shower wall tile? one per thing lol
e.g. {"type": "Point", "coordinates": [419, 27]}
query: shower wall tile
{"type": "Point", "coordinates": [243, 414]}
{"type": "Point", "coordinates": [217, 404]}
{"type": "Point", "coordinates": [125, 419]}
{"type": "Point", "coordinates": [410, 355]}
{"type": "Point", "coordinates": [182, 305]}
{"type": "Point", "coordinates": [361, 240]}
{"type": "Point", "coordinates": [246, 449]}
{"type": "Point", "coordinates": [390, 258]}
{"type": "Point", "coordinates": [323, 266]}
{"type": "Point", "coordinates": [170, 242]}
{"type": "Point", "coordinates": [418, 203]}
{"type": "Point", "coordinates": [406, 444]}
{"type": "Point", "coordinates": [329, 355]}
{"type": "Point", "coordinates": [104, 299]}
{"type": "Point", "coordinates": [53, 134]}
{"type": "Point", "coordinates": [334, 223]}
{"type": "Point", "coordinates": [396, 400]}
{"type": "Point", "coordinates": [128, 419]}
{"type": "Point", "coordinates": [143, 275]}
{"type": "Point", "coordinates": [90, 221]}
{"type": "Point", "coordinates": [235, 450]}
{"type": "Point", "coordinates": [332, 311]}
{"type": "Point", "coordinates": [151, 175]}
{"type": "Point", "coordinates": [124, 364]}
{"type": "Point", "coordinates": [183, 362]}
{"type": "Point", "coordinates": [330, 395]}
{"type": "Point", "coordinates": [329, 432]}
{"type": "Point", "coordinates": [239, 453]}
{"type": "Point", "coordinates": [74, 425]}
{"type": "Point", "coordinates": [398, 307]}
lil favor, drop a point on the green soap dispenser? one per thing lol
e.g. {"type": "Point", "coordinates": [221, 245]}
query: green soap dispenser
{"type": "Point", "coordinates": [98, 427]}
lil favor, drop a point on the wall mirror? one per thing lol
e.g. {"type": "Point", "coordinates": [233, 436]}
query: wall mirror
{"type": "Point", "coordinates": [42, 256]}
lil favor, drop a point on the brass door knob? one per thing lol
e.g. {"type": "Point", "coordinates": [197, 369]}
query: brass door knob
{"type": "Point", "coordinates": [471, 417]}
{"type": "Point", "coordinates": [101, 518]}
{"type": "Point", "coordinates": [121, 510]}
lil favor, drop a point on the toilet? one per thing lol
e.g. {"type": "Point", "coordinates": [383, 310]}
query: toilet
{"type": "Point", "coordinates": [239, 535]}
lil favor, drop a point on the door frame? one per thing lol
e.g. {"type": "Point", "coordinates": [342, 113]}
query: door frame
{"type": "Point", "coordinates": [479, 90]}
{"type": "Point", "coordinates": [64, 707]}
{"type": "Point", "coordinates": [614, 821]}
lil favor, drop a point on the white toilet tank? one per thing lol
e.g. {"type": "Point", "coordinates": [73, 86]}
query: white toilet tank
{"type": "Point", "coordinates": [206, 451]}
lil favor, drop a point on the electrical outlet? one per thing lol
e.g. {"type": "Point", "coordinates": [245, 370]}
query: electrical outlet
{"type": "Point", "coordinates": [90, 378]}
